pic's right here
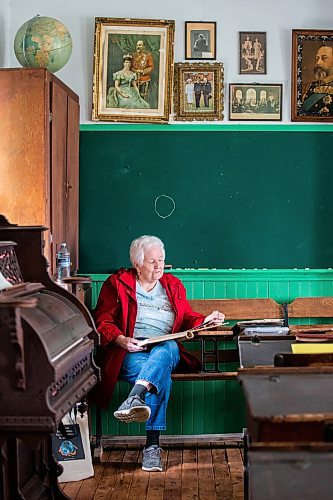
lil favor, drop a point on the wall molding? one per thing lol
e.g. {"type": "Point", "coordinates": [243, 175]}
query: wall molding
{"type": "Point", "coordinates": [206, 127]}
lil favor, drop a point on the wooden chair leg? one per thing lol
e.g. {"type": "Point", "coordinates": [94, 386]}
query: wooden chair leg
{"type": "Point", "coordinates": [97, 448]}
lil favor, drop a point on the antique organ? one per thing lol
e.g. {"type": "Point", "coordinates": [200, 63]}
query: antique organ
{"type": "Point", "coordinates": [47, 338]}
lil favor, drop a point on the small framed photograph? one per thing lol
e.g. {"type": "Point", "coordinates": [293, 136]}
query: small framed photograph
{"type": "Point", "coordinates": [200, 40]}
{"type": "Point", "coordinates": [133, 70]}
{"type": "Point", "coordinates": [312, 76]}
{"type": "Point", "coordinates": [252, 53]}
{"type": "Point", "coordinates": [198, 91]}
{"type": "Point", "coordinates": [256, 101]}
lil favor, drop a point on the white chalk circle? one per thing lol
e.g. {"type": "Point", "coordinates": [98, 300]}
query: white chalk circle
{"type": "Point", "coordinates": [165, 204]}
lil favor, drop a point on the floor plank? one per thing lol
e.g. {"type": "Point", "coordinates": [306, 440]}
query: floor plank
{"type": "Point", "coordinates": [193, 471]}
{"type": "Point", "coordinates": [190, 485]}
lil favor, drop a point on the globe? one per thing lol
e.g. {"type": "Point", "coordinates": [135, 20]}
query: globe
{"type": "Point", "coordinates": [43, 42]}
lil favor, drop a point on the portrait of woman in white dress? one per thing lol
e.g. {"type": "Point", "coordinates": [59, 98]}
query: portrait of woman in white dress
{"type": "Point", "coordinates": [189, 92]}
{"type": "Point", "coordinates": [125, 93]}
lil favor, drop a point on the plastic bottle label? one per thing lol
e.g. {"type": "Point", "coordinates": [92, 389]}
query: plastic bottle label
{"type": "Point", "coordinates": [64, 261]}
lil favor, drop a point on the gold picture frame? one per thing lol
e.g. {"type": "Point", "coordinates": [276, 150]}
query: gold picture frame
{"type": "Point", "coordinates": [198, 91]}
{"type": "Point", "coordinates": [133, 70]}
{"type": "Point", "coordinates": [312, 76]}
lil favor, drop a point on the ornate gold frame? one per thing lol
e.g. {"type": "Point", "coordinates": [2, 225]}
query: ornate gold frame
{"type": "Point", "coordinates": [182, 109]}
{"type": "Point", "coordinates": [115, 38]}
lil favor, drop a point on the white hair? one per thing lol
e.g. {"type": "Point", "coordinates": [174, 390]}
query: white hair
{"type": "Point", "coordinates": [139, 245]}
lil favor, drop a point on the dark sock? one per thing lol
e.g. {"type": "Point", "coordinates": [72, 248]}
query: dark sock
{"type": "Point", "coordinates": [139, 390]}
{"type": "Point", "coordinates": [153, 437]}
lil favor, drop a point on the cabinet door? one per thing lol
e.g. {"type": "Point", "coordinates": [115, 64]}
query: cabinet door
{"type": "Point", "coordinates": [64, 171]}
{"type": "Point", "coordinates": [58, 160]}
{"type": "Point", "coordinates": [72, 185]}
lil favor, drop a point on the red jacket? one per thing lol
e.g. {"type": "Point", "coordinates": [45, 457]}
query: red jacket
{"type": "Point", "coordinates": [115, 314]}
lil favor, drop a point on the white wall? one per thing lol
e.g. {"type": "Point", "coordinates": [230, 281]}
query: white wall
{"type": "Point", "coordinates": [4, 33]}
{"type": "Point", "coordinates": [277, 18]}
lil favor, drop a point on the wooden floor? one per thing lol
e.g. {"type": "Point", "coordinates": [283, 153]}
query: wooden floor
{"type": "Point", "coordinates": [203, 471]}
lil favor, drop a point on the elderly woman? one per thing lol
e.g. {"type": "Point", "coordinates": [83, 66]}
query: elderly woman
{"type": "Point", "coordinates": [136, 304]}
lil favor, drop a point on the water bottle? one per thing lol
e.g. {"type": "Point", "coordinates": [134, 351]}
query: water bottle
{"type": "Point", "coordinates": [63, 262]}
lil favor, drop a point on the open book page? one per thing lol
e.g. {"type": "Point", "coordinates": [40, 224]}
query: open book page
{"type": "Point", "coordinates": [262, 322]}
{"type": "Point", "coordinates": [186, 335]}
{"type": "Point", "coordinates": [171, 336]}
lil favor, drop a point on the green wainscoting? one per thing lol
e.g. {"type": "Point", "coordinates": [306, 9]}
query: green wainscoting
{"type": "Point", "coordinates": [282, 285]}
{"type": "Point", "coordinates": [217, 406]}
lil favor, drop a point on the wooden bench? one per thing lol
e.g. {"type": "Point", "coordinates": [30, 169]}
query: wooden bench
{"type": "Point", "coordinates": [209, 352]}
{"type": "Point", "coordinates": [209, 346]}
{"type": "Point", "coordinates": [311, 308]}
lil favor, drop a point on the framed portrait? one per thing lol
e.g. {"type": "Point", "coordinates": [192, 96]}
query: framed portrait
{"type": "Point", "coordinates": [198, 91]}
{"type": "Point", "coordinates": [200, 40]}
{"type": "Point", "coordinates": [256, 101]}
{"type": "Point", "coordinates": [252, 53]}
{"type": "Point", "coordinates": [133, 70]}
{"type": "Point", "coordinates": [312, 76]}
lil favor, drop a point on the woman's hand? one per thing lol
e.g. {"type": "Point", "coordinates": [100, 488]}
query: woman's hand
{"type": "Point", "coordinates": [129, 344]}
{"type": "Point", "coordinates": [215, 316]}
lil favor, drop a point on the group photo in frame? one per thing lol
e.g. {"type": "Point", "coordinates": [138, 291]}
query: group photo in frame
{"type": "Point", "coordinates": [256, 101]}
{"type": "Point", "coordinates": [198, 91]}
{"type": "Point", "coordinates": [312, 76]}
{"type": "Point", "coordinates": [132, 76]}
{"type": "Point", "coordinates": [200, 40]}
{"type": "Point", "coordinates": [252, 53]}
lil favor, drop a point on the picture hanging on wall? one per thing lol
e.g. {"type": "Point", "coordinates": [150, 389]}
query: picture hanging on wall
{"type": "Point", "coordinates": [133, 62]}
{"type": "Point", "coordinates": [198, 91]}
{"type": "Point", "coordinates": [252, 53]}
{"type": "Point", "coordinates": [200, 40]}
{"type": "Point", "coordinates": [256, 101]}
{"type": "Point", "coordinates": [312, 76]}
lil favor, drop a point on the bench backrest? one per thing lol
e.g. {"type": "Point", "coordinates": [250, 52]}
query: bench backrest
{"type": "Point", "coordinates": [240, 309]}
{"type": "Point", "coordinates": [311, 307]}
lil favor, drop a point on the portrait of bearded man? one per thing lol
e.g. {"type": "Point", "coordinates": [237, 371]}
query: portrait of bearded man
{"type": "Point", "coordinates": [317, 99]}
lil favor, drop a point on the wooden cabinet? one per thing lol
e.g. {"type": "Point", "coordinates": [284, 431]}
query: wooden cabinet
{"type": "Point", "coordinates": [39, 156]}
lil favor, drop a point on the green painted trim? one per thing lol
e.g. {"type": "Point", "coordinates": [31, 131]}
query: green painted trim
{"type": "Point", "coordinates": [243, 274]}
{"type": "Point", "coordinates": [199, 127]}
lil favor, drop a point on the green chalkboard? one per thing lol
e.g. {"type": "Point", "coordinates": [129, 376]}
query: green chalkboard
{"type": "Point", "coordinates": [223, 199]}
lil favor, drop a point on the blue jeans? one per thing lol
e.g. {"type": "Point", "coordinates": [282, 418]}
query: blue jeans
{"type": "Point", "coordinates": [155, 367]}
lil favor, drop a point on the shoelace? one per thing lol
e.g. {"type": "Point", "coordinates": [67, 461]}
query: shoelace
{"type": "Point", "coordinates": [152, 452]}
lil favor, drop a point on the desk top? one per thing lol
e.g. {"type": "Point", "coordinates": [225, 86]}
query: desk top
{"type": "Point", "coordinates": [289, 395]}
